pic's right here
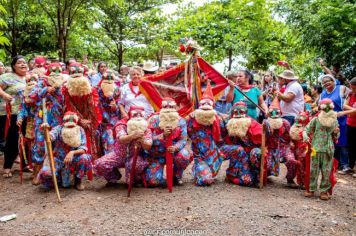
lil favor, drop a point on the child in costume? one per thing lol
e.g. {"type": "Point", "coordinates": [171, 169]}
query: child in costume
{"type": "Point", "coordinates": [324, 132]}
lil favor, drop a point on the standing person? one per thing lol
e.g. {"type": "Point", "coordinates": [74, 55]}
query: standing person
{"type": "Point", "coordinates": [292, 99]}
{"type": "Point", "coordinates": [2, 113]}
{"type": "Point", "coordinates": [11, 86]}
{"type": "Point", "coordinates": [80, 97]}
{"type": "Point", "coordinates": [316, 90]}
{"type": "Point", "coordinates": [337, 94]}
{"type": "Point", "coordinates": [109, 97]}
{"type": "Point", "coordinates": [222, 105]}
{"type": "Point", "coordinates": [124, 74]}
{"type": "Point", "coordinates": [324, 132]}
{"type": "Point", "coordinates": [350, 104]}
{"type": "Point", "coordinates": [268, 86]}
{"type": "Point", "coordinates": [95, 79]}
{"type": "Point", "coordinates": [131, 95]}
{"type": "Point", "coordinates": [244, 81]}
{"type": "Point", "coordinates": [47, 89]}
{"type": "Point", "coordinates": [335, 72]}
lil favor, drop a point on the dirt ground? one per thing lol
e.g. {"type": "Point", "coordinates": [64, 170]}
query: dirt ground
{"type": "Point", "coordinates": [222, 209]}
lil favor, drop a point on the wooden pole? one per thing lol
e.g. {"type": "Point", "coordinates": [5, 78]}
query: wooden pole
{"type": "Point", "coordinates": [263, 154]}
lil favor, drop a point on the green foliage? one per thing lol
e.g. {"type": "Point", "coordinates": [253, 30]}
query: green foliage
{"type": "Point", "coordinates": [327, 26]}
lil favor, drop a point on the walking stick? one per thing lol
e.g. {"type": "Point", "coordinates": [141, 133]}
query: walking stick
{"type": "Point", "coordinates": [133, 170]}
{"type": "Point", "coordinates": [22, 153]}
{"type": "Point", "coordinates": [169, 164]}
{"type": "Point", "coordinates": [49, 150]}
{"type": "Point", "coordinates": [263, 154]}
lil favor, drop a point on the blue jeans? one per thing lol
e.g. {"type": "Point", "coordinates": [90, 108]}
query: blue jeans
{"type": "Point", "coordinates": [290, 119]}
{"type": "Point", "coordinates": [342, 155]}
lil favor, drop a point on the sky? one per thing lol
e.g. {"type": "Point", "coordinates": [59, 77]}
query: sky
{"type": "Point", "coordinates": [171, 8]}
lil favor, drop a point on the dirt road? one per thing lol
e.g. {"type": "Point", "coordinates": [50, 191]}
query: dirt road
{"type": "Point", "coordinates": [222, 209]}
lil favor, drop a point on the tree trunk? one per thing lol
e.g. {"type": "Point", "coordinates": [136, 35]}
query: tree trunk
{"type": "Point", "coordinates": [120, 54]}
{"type": "Point", "coordinates": [230, 58]}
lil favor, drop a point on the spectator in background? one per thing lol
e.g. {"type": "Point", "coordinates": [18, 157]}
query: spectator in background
{"type": "Point", "coordinates": [245, 81]}
{"type": "Point", "coordinates": [124, 74]}
{"type": "Point", "coordinates": [221, 104]}
{"type": "Point", "coordinates": [11, 87]}
{"type": "Point", "coordinates": [337, 93]}
{"type": "Point", "coordinates": [2, 112]}
{"type": "Point", "coordinates": [350, 105]}
{"type": "Point", "coordinates": [335, 72]}
{"type": "Point", "coordinates": [95, 79]}
{"type": "Point", "coordinates": [31, 64]}
{"type": "Point", "coordinates": [292, 99]}
{"type": "Point", "coordinates": [149, 68]}
{"type": "Point", "coordinates": [308, 101]}
{"type": "Point", "coordinates": [316, 90]}
{"type": "Point", "coordinates": [131, 95]}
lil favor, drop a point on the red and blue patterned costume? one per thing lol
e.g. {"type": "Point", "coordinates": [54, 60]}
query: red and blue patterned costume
{"type": "Point", "coordinates": [156, 156]}
{"type": "Point", "coordinates": [80, 165]}
{"type": "Point", "coordinates": [247, 151]}
{"type": "Point", "coordinates": [122, 156]}
{"type": "Point", "coordinates": [109, 118]}
{"type": "Point", "coordinates": [278, 144]}
{"type": "Point", "coordinates": [55, 106]}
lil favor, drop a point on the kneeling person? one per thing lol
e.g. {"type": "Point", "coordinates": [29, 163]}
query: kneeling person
{"type": "Point", "coordinates": [167, 123]}
{"type": "Point", "coordinates": [69, 153]}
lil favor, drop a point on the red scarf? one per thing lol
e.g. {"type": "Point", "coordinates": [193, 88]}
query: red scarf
{"type": "Point", "coordinates": [133, 91]}
{"type": "Point", "coordinates": [246, 87]}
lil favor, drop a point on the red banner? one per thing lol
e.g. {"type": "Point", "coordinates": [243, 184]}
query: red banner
{"type": "Point", "coordinates": [184, 83]}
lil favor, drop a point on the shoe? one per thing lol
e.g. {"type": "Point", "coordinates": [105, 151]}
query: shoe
{"type": "Point", "coordinates": [27, 169]}
{"type": "Point", "coordinates": [291, 184]}
{"type": "Point", "coordinates": [354, 175]}
{"type": "Point", "coordinates": [177, 181]}
{"type": "Point", "coordinates": [344, 171]}
{"type": "Point", "coordinates": [79, 184]}
{"type": "Point", "coordinates": [308, 194]}
{"type": "Point", "coordinates": [324, 196]}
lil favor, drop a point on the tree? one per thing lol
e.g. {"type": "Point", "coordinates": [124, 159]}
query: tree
{"type": "Point", "coordinates": [125, 23]}
{"type": "Point", "coordinates": [326, 26]}
{"type": "Point", "coordinates": [62, 14]}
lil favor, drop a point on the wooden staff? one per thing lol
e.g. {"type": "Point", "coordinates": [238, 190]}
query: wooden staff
{"type": "Point", "coordinates": [263, 154]}
{"type": "Point", "coordinates": [22, 153]}
{"type": "Point", "coordinates": [49, 150]}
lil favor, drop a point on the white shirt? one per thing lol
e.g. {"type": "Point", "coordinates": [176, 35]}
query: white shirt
{"type": "Point", "coordinates": [129, 99]}
{"type": "Point", "coordinates": [297, 104]}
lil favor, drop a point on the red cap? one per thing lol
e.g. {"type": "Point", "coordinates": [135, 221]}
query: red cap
{"type": "Point", "coordinates": [208, 93]}
{"type": "Point", "coordinates": [40, 61]}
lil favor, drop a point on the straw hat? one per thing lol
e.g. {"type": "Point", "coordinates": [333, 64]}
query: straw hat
{"type": "Point", "coordinates": [288, 75]}
{"type": "Point", "coordinates": [149, 67]}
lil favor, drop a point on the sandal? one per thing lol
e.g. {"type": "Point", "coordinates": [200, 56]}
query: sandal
{"type": "Point", "coordinates": [7, 174]}
{"type": "Point", "coordinates": [27, 169]}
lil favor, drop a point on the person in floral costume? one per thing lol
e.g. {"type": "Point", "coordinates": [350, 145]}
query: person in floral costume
{"type": "Point", "coordinates": [203, 127]}
{"type": "Point", "coordinates": [324, 132]}
{"type": "Point", "coordinates": [109, 97]}
{"type": "Point", "coordinates": [27, 113]}
{"type": "Point", "coordinates": [298, 146]}
{"type": "Point", "coordinates": [70, 153]}
{"type": "Point", "coordinates": [131, 136]}
{"type": "Point", "coordinates": [278, 143]}
{"type": "Point", "coordinates": [48, 90]}
{"type": "Point", "coordinates": [242, 138]}
{"type": "Point", "coordinates": [167, 122]}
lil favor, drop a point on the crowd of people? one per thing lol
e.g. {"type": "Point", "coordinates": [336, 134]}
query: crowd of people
{"type": "Point", "coordinates": [99, 122]}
